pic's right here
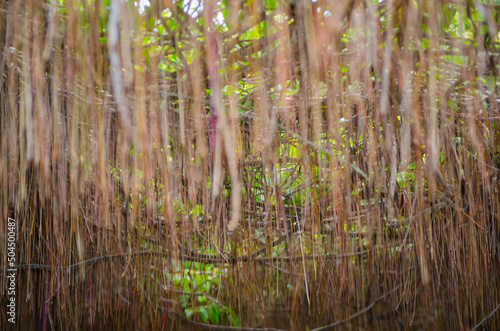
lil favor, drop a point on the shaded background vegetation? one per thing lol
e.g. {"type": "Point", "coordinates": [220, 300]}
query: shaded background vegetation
{"type": "Point", "coordinates": [251, 164]}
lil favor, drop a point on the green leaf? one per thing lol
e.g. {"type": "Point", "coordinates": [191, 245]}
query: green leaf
{"type": "Point", "coordinates": [151, 23]}
{"type": "Point", "coordinates": [234, 319]}
{"type": "Point", "coordinates": [425, 43]}
{"type": "Point", "coordinates": [204, 313]}
{"type": "Point", "coordinates": [271, 4]}
{"type": "Point", "coordinates": [188, 312]}
{"type": "Point", "coordinates": [214, 311]}
{"type": "Point", "coordinates": [187, 288]}
{"type": "Point", "coordinates": [161, 29]}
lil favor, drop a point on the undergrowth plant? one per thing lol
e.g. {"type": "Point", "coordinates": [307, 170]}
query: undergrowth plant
{"type": "Point", "coordinates": [263, 164]}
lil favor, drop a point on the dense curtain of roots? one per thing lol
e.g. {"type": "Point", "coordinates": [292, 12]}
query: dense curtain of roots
{"type": "Point", "coordinates": [328, 161]}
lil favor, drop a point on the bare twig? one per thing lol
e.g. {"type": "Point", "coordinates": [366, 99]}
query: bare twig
{"type": "Point", "coordinates": [486, 318]}
{"type": "Point", "coordinates": [359, 313]}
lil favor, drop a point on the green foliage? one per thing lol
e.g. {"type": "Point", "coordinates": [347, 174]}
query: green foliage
{"type": "Point", "coordinates": [197, 281]}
